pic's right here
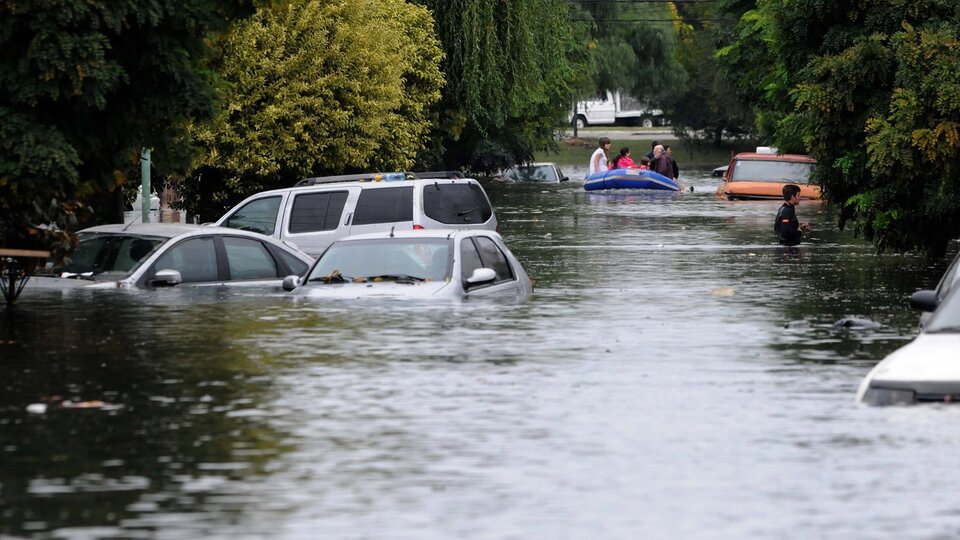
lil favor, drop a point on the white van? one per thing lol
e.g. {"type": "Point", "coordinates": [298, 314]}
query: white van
{"type": "Point", "coordinates": [319, 211]}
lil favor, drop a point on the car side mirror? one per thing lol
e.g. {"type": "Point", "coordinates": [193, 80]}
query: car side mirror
{"type": "Point", "coordinates": [565, 179]}
{"type": "Point", "coordinates": [166, 278]}
{"type": "Point", "coordinates": [481, 276]}
{"type": "Point", "coordinates": [291, 282]}
{"type": "Point", "coordinates": [925, 300]}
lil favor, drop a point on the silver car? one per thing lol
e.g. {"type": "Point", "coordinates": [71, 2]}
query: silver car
{"type": "Point", "coordinates": [430, 263]}
{"type": "Point", "coordinates": [548, 173]}
{"type": "Point", "coordinates": [158, 255]}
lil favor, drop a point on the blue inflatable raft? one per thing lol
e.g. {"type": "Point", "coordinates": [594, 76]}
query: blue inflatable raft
{"type": "Point", "coordinates": [629, 179]}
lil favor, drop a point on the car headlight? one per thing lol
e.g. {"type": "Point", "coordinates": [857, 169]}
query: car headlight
{"type": "Point", "coordinates": [889, 396]}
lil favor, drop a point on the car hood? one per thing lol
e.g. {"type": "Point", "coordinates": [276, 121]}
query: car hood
{"type": "Point", "coordinates": [382, 289]}
{"type": "Point", "coordinates": [930, 357]}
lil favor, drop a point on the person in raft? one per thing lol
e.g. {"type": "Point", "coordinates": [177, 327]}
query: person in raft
{"type": "Point", "coordinates": [623, 160]}
{"type": "Point", "coordinates": [598, 161]}
{"type": "Point", "coordinates": [788, 228]}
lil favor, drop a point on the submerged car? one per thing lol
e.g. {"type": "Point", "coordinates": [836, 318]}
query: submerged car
{"type": "Point", "coordinates": [928, 300]}
{"type": "Point", "coordinates": [429, 263]}
{"type": "Point", "coordinates": [319, 211]}
{"type": "Point", "coordinates": [163, 255]}
{"type": "Point", "coordinates": [762, 175]}
{"type": "Point", "coordinates": [547, 173]}
{"type": "Point", "coordinates": [926, 369]}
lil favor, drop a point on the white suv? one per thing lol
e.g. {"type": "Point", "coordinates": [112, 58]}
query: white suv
{"type": "Point", "coordinates": [319, 211]}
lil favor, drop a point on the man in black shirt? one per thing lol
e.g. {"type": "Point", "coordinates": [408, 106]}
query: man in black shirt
{"type": "Point", "coordinates": [789, 230]}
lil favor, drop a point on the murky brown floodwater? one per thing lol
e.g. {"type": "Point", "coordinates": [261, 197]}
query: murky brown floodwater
{"type": "Point", "coordinates": [649, 390]}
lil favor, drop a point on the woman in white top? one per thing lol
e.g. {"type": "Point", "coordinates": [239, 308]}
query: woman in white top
{"type": "Point", "coordinates": [598, 161]}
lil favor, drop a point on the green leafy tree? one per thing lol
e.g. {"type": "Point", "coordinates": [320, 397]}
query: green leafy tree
{"type": "Point", "coordinates": [634, 44]}
{"type": "Point", "coordinates": [510, 66]}
{"type": "Point", "coordinates": [318, 87]}
{"type": "Point", "coordinates": [708, 107]}
{"type": "Point", "coordinates": [84, 85]}
{"type": "Point", "coordinates": [870, 90]}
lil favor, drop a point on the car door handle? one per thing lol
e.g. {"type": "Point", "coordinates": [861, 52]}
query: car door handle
{"type": "Point", "coordinates": [348, 219]}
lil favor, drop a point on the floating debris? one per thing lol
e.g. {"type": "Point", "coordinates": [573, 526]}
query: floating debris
{"type": "Point", "coordinates": [858, 323]}
{"type": "Point", "coordinates": [37, 408]}
{"type": "Point", "coordinates": [723, 291]}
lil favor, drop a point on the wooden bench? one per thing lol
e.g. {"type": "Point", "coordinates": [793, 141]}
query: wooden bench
{"type": "Point", "coordinates": [14, 276]}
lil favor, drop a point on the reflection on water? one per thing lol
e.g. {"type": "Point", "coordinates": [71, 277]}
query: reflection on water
{"type": "Point", "coordinates": [677, 374]}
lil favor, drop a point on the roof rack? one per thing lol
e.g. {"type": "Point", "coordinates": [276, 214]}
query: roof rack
{"type": "Point", "coordinates": [437, 174]}
{"type": "Point", "coordinates": [379, 177]}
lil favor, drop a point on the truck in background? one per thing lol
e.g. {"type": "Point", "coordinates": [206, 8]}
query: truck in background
{"type": "Point", "coordinates": [614, 108]}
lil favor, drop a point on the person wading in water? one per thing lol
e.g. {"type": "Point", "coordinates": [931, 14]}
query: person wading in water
{"type": "Point", "coordinates": [789, 230]}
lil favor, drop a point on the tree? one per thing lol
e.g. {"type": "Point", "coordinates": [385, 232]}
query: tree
{"type": "Point", "coordinates": [708, 106]}
{"type": "Point", "coordinates": [317, 87]}
{"type": "Point", "coordinates": [510, 67]}
{"type": "Point", "coordinates": [84, 85]}
{"type": "Point", "coordinates": [635, 47]}
{"type": "Point", "coordinates": [870, 90]}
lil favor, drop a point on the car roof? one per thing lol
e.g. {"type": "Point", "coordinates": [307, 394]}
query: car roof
{"type": "Point", "coordinates": [535, 164]}
{"type": "Point", "coordinates": [420, 233]}
{"type": "Point", "coordinates": [366, 184]}
{"type": "Point", "coordinates": [753, 156]}
{"type": "Point", "coordinates": [168, 230]}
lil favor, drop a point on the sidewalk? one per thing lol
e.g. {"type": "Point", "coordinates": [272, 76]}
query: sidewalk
{"type": "Point", "coordinates": [623, 133]}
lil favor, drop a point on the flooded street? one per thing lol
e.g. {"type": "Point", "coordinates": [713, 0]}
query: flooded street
{"type": "Point", "coordinates": [651, 389]}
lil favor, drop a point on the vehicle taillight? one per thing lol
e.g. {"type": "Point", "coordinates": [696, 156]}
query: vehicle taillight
{"type": "Point", "coordinates": [417, 227]}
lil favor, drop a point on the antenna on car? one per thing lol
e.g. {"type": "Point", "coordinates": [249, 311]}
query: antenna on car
{"type": "Point", "coordinates": [391, 231]}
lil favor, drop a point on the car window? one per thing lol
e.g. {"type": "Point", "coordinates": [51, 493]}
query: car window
{"type": "Point", "coordinates": [533, 173]}
{"type": "Point", "coordinates": [949, 279]}
{"type": "Point", "coordinates": [469, 259]}
{"type": "Point", "coordinates": [384, 205]}
{"type": "Point", "coordinates": [109, 255]}
{"type": "Point", "coordinates": [195, 259]}
{"type": "Point", "coordinates": [493, 257]}
{"type": "Point", "coordinates": [317, 211]}
{"type": "Point", "coordinates": [249, 259]}
{"type": "Point", "coordinates": [459, 203]}
{"type": "Point", "coordinates": [947, 316]}
{"type": "Point", "coordinates": [772, 171]}
{"type": "Point", "coordinates": [295, 265]}
{"type": "Point", "coordinates": [259, 216]}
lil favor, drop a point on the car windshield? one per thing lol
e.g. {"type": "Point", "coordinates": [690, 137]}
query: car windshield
{"type": "Point", "coordinates": [112, 256]}
{"type": "Point", "coordinates": [398, 259]}
{"type": "Point", "coordinates": [532, 173]}
{"type": "Point", "coordinates": [772, 171]}
{"type": "Point", "coordinates": [947, 316]}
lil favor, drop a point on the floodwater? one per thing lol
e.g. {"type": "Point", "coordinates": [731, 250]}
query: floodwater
{"type": "Point", "coordinates": [650, 389]}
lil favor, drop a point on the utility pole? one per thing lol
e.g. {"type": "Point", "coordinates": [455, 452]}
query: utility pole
{"type": "Point", "coordinates": [145, 185]}
{"type": "Point", "coordinates": [575, 111]}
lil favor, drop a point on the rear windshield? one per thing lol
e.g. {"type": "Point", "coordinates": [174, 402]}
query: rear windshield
{"type": "Point", "coordinates": [532, 173]}
{"type": "Point", "coordinates": [460, 203]}
{"type": "Point", "coordinates": [772, 171]}
{"type": "Point", "coordinates": [384, 205]}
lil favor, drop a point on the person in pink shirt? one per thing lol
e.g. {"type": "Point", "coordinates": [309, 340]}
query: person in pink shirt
{"type": "Point", "coordinates": [623, 160]}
